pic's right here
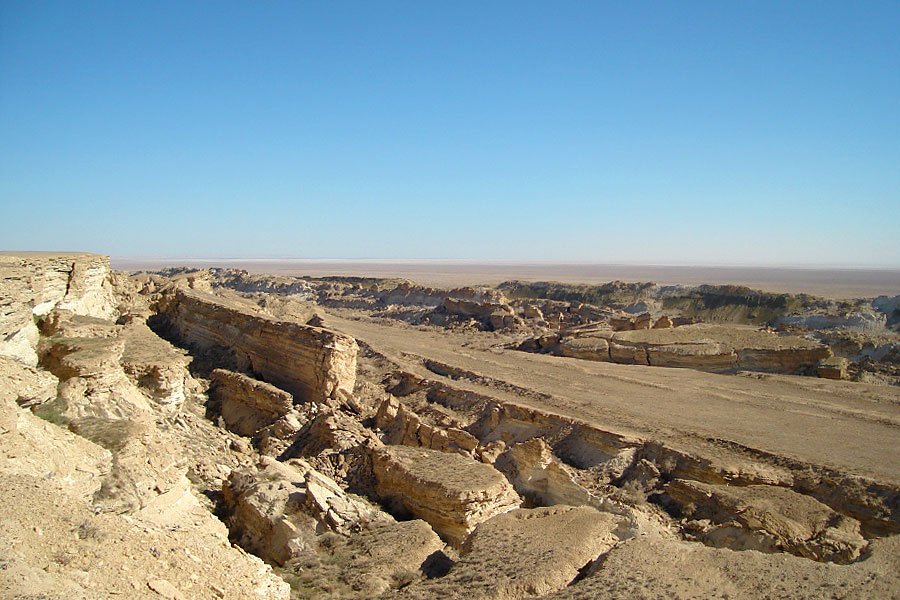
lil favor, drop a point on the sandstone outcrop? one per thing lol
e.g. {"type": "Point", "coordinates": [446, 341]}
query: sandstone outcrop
{"type": "Point", "coordinates": [768, 519]}
{"type": "Point", "coordinates": [277, 511]}
{"type": "Point", "coordinates": [34, 283]}
{"type": "Point", "coordinates": [314, 364]}
{"type": "Point", "coordinates": [402, 426]}
{"type": "Point", "coordinates": [525, 553]}
{"type": "Point", "coordinates": [714, 348]}
{"type": "Point", "coordinates": [540, 477]}
{"type": "Point", "coordinates": [246, 404]}
{"type": "Point", "coordinates": [490, 315]}
{"type": "Point", "coordinates": [453, 493]}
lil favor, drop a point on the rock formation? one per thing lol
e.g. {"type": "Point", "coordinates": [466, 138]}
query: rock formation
{"type": "Point", "coordinates": [451, 492]}
{"type": "Point", "coordinates": [246, 404]}
{"type": "Point", "coordinates": [314, 364]}
{"type": "Point", "coordinates": [33, 284]}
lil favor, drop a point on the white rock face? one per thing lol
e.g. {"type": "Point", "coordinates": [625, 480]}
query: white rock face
{"type": "Point", "coordinates": [34, 283]}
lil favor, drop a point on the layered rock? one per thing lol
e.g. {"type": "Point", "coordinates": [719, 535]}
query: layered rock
{"type": "Point", "coordinates": [34, 283]}
{"type": "Point", "coordinates": [768, 519]}
{"type": "Point", "coordinates": [713, 348]}
{"type": "Point", "coordinates": [246, 404]}
{"type": "Point", "coordinates": [277, 511]}
{"type": "Point", "coordinates": [314, 364]}
{"type": "Point", "coordinates": [453, 493]}
{"type": "Point", "coordinates": [339, 446]}
{"type": "Point", "coordinates": [539, 476]}
{"type": "Point", "coordinates": [491, 315]}
{"type": "Point", "coordinates": [402, 426]}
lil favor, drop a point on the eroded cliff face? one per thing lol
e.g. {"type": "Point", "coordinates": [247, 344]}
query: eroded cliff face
{"type": "Point", "coordinates": [33, 284]}
{"type": "Point", "coordinates": [102, 448]}
{"type": "Point", "coordinates": [314, 364]}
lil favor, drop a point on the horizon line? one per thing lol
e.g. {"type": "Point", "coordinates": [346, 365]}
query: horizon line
{"type": "Point", "coordinates": [509, 261]}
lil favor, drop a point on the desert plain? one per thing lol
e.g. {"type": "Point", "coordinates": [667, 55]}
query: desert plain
{"type": "Point", "coordinates": [291, 429]}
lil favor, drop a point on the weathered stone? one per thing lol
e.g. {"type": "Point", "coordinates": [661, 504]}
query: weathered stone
{"type": "Point", "coordinates": [833, 368]}
{"type": "Point", "coordinates": [525, 553]}
{"type": "Point", "coordinates": [585, 348]}
{"type": "Point", "coordinates": [768, 519]}
{"type": "Point", "coordinates": [402, 426]}
{"type": "Point", "coordinates": [643, 321]}
{"type": "Point", "coordinates": [34, 283]}
{"type": "Point", "coordinates": [699, 356]}
{"type": "Point", "coordinates": [539, 476]}
{"type": "Point", "coordinates": [453, 493]}
{"type": "Point", "coordinates": [247, 404]}
{"type": "Point", "coordinates": [627, 354]}
{"type": "Point", "coordinates": [383, 555]}
{"type": "Point", "coordinates": [663, 322]}
{"type": "Point", "coordinates": [799, 359]}
{"type": "Point", "coordinates": [314, 364]}
{"type": "Point", "coordinates": [277, 511]}
{"type": "Point", "coordinates": [25, 385]}
{"type": "Point", "coordinates": [156, 366]}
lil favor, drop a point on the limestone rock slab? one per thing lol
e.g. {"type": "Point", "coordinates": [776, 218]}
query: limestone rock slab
{"type": "Point", "coordinates": [452, 492]}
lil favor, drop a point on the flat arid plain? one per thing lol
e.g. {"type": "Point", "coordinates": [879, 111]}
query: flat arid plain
{"type": "Point", "coordinates": [831, 282]}
{"type": "Point", "coordinates": [316, 429]}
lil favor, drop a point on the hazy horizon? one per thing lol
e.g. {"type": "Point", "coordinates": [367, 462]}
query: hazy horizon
{"type": "Point", "coordinates": [639, 133]}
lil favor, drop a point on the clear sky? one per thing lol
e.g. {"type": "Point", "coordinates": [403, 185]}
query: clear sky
{"type": "Point", "coordinates": [667, 132]}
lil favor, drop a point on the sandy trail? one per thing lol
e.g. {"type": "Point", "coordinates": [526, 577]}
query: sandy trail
{"type": "Point", "coordinates": [852, 427]}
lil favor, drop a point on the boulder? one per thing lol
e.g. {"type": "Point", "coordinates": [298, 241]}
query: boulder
{"type": "Point", "coordinates": [833, 368]}
{"type": "Point", "coordinates": [452, 492]}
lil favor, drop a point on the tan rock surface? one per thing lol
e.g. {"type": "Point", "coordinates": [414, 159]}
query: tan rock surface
{"type": "Point", "coordinates": [767, 518]}
{"type": "Point", "coordinates": [277, 511]}
{"type": "Point", "coordinates": [32, 284]}
{"type": "Point", "coordinates": [316, 365]}
{"type": "Point", "coordinates": [663, 567]}
{"type": "Point", "coordinates": [524, 553]}
{"type": "Point", "coordinates": [246, 404]}
{"type": "Point", "coordinates": [453, 493]}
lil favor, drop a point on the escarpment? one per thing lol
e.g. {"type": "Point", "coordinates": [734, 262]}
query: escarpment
{"type": "Point", "coordinates": [406, 450]}
{"type": "Point", "coordinates": [314, 364]}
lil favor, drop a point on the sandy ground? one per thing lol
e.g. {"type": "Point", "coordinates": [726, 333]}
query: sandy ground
{"type": "Point", "coordinates": [837, 424]}
{"type": "Point", "coordinates": [835, 283]}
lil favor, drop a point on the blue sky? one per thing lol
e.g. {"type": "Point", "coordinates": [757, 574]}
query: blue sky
{"type": "Point", "coordinates": [667, 133]}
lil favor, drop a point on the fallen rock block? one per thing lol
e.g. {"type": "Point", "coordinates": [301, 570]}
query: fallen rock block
{"type": "Point", "coordinates": [833, 368]}
{"type": "Point", "coordinates": [585, 348]}
{"type": "Point", "coordinates": [541, 477]}
{"type": "Point", "coordinates": [247, 404]}
{"type": "Point", "coordinates": [402, 426]}
{"type": "Point", "coordinates": [452, 492]}
{"type": "Point", "coordinates": [385, 555]}
{"type": "Point", "coordinates": [276, 512]}
{"type": "Point", "coordinates": [767, 519]}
